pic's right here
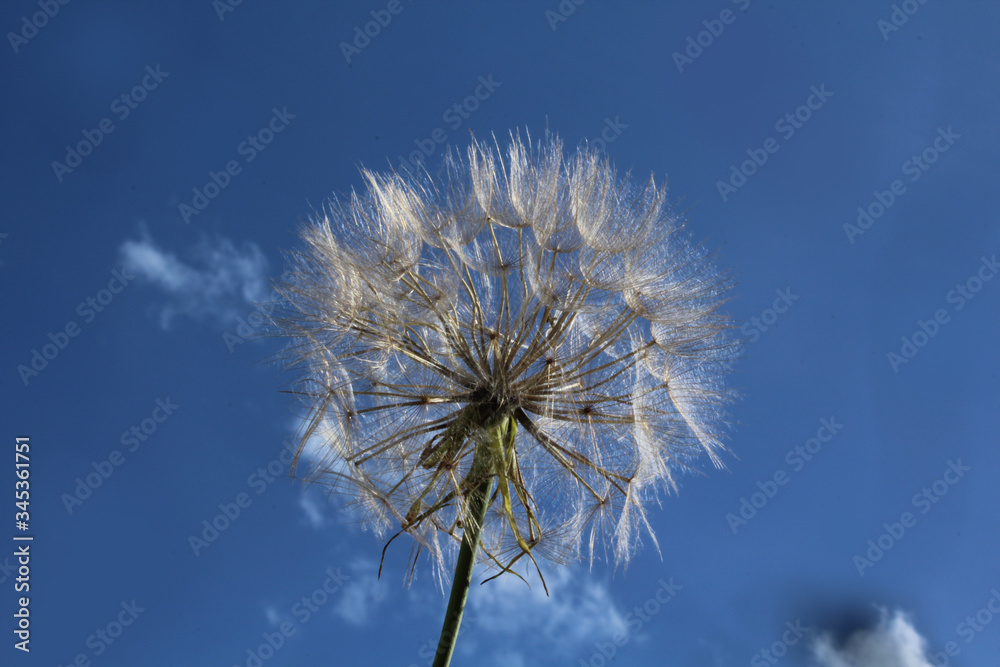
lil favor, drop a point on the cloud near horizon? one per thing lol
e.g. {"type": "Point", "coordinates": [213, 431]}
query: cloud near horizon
{"type": "Point", "coordinates": [893, 642]}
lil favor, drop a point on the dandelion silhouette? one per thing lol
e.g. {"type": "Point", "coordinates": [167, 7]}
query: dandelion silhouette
{"type": "Point", "coordinates": [507, 358]}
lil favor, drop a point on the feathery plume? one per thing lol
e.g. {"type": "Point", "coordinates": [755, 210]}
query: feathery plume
{"type": "Point", "coordinates": [534, 327]}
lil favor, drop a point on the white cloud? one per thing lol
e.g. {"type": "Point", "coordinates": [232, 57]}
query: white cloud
{"type": "Point", "coordinates": [316, 504]}
{"type": "Point", "coordinates": [362, 594]}
{"type": "Point", "coordinates": [892, 643]}
{"type": "Point", "coordinates": [506, 624]}
{"type": "Point", "coordinates": [274, 617]}
{"type": "Point", "coordinates": [312, 509]}
{"type": "Point", "coordinates": [578, 610]}
{"type": "Point", "coordinates": [509, 659]}
{"type": "Point", "coordinates": [316, 450]}
{"type": "Point", "coordinates": [218, 281]}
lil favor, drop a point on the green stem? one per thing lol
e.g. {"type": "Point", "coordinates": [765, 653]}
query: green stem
{"type": "Point", "coordinates": [463, 572]}
{"type": "Point", "coordinates": [489, 454]}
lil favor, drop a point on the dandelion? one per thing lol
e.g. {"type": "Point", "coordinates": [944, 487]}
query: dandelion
{"type": "Point", "coordinates": [508, 358]}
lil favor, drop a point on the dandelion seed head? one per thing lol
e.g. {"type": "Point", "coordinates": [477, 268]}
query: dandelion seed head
{"type": "Point", "coordinates": [529, 288]}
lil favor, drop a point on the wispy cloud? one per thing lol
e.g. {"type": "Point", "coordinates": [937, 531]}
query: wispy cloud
{"type": "Point", "coordinates": [316, 505]}
{"type": "Point", "coordinates": [215, 280]}
{"type": "Point", "coordinates": [316, 449]}
{"type": "Point", "coordinates": [274, 617]}
{"type": "Point", "coordinates": [362, 595]}
{"type": "Point", "coordinates": [577, 610]}
{"type": "Point", "coordinates": [508, 658]}
{"type": "Point", "coordinates": [312, 509]}
{"type": "Point", "coordinates": [893, 642]}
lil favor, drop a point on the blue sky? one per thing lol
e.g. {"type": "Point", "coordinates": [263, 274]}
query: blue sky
{"type": "Point", "coordinates": [869, 380]}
